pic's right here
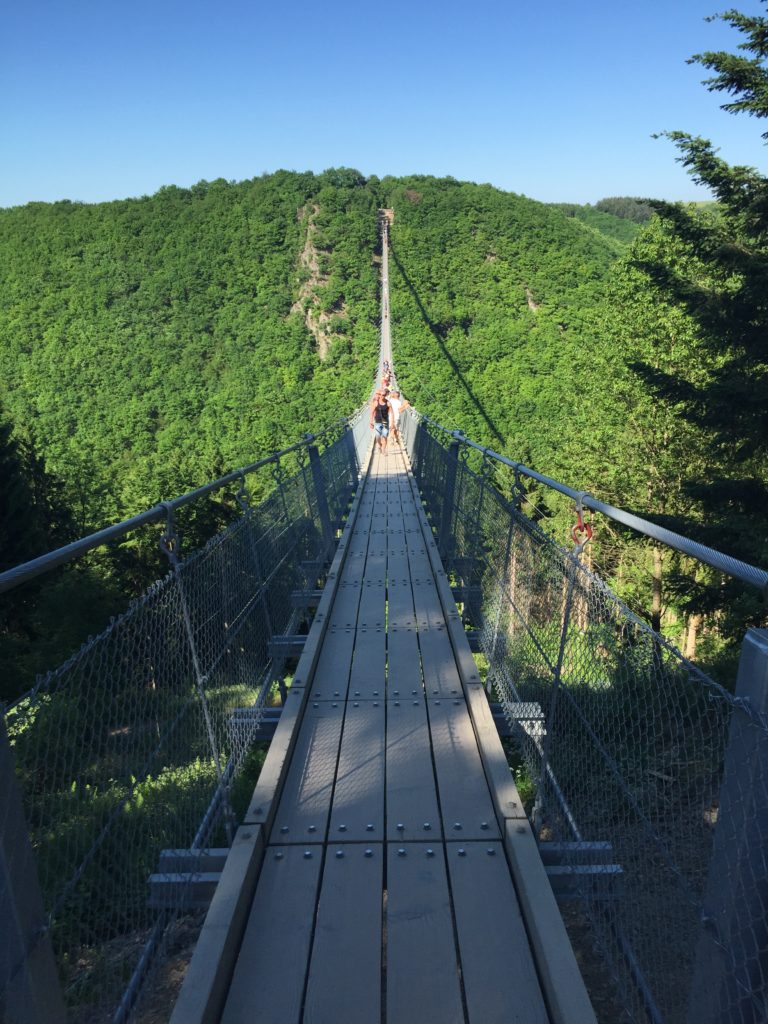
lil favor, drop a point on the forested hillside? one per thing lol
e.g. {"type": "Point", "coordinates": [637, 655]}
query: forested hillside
{"type": "Point", "coordinates": [599, 363]}
{"type": "Point", "coordinates": [146, 345]}
{"type": "Point", "coordinates": [149, 345]}
{"type": "Point", "coordinates": [491, 295]}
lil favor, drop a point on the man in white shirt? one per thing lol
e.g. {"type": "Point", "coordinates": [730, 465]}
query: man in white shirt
{"type": "Point", "coordinates": [398, 404]}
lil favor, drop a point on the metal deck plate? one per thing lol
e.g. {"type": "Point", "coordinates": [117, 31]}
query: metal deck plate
{"type": "Point", "coordinates": [411, 789]}
{"type": "Point", "coordinates": [345, 604]}
{"type": "Point", "coordinates": [302, 815]}
{"type": "Point", "coordinates": [422, 969]}
{"type": "Point", "coordinates": [464, 797]}
{"type": "Point", "coordinates": [332, 674]}
{"type": "Point", "coordinates": [358, 797]}
{"type": "Point", "coordinates": [403, 664]}
{"type": "Point", "coordinates": [429, 611]}
{"type": "Point", "coordinates": [267, 982]}
{"type": "Point", "coordinates": [345, 970]}
{"type": "Point", "coordinates": [400, 610]}
{"type": "Point", "coordinates": [368, 677]}
{"type": "Point", "coordinates": [441, 676]}
{"type": "Point", "coordinates": [500, 981]}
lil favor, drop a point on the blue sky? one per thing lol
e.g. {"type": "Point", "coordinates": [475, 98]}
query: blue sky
{"type": "Point", "coordinates": [557, 100]}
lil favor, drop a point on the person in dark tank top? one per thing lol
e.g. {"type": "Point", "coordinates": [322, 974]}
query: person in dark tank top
{"type": "Point", "coordinates": [381, 418]}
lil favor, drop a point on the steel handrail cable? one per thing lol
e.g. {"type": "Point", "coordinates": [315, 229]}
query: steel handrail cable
{"type": "Point", "coordinates": [734, 567]}
{"type": "Point", "coordinates": [14, 577]}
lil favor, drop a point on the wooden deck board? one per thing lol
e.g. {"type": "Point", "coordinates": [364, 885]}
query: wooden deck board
{"type": "Point", "coordinates": [345, 970]}
{"type": "Point", "coordinates": [500, 981]}
{"type": "Point", "coordinates": [357, 813]}
{"type": "Point", "coordinates": [368, 677]}
{"type": "Point", "coordinates": [267, 983]}
{"type": "Point", "coordinates": [302, 814]}
{"type": "Point", "coordinates": [441, 677]}
{"type": "Point", "coordinates": [464, 796]}
{"type": "Point", "coordinates": [332, 676]}
{"type": "Point", "coordinates": [422, 969]}
{"type": "Point", "coordinates": [411, 789]}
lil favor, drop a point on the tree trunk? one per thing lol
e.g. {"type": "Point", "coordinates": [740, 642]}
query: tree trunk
{"type": "Point", "coordinates": [658, 560]}
{"type": "Point", "coordinates": [694, 622]}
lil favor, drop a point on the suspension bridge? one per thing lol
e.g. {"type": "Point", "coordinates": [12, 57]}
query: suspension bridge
{"type": "Point", "coordinates": [382, 866]}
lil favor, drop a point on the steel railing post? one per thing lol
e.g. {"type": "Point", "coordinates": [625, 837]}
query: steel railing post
{"type": "Point", "coordinates": [169, 544]}
{"type": "Point", "coordinates": [503, 587]}
{"type": "Point", "coordinates": [322, 499]}
{"type": "Point", "coordinates": [30, 992]}
{"type": "Point", "coordinates": [446, 517]}
{"type": "Point", "coordinates": [729, 977]}
{"type": "Point", "coordinates": [546, 746]}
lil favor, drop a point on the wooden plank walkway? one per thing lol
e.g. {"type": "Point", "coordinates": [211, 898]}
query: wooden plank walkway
{"type": "Point", "coordinates": [386, 825]}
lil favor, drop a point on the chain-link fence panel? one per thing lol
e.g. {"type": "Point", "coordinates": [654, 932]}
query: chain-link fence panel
{"type": "Point", "coordinates": [121, 762]}
{"type": "Point", "coordinates": [651, 779]}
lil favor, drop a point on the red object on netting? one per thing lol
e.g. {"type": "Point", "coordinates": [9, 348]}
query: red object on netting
{"type": "Point", "coordinates": [581, 532]}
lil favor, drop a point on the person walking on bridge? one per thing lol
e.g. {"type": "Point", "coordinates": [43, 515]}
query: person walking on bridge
{"type": "Point", "coordinates": [381, 418]}
{"type": "Point", "coordinates": [397, 404]}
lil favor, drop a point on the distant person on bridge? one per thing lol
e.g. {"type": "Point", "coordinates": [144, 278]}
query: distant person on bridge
{"type": "Point", "coordinates": [381, 418]}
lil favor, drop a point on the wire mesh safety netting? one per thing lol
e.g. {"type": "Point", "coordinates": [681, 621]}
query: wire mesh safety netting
{"type": "Point", "coordinates": [651, 780]}
{"type": "Point", "coordinates": [137, 744]}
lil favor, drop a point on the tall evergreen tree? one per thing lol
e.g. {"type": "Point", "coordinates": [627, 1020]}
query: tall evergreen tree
{"type": "Point", "coordinates": [21, 533]}
{"type": "Point", "coordinates": [724, 288]}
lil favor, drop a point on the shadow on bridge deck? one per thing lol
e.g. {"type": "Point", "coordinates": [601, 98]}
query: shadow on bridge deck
{"type": "Point", "coordinates": [385, 871]}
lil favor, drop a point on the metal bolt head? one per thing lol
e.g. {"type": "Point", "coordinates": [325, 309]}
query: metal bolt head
{"type": "Point", "coordinates": [369, 852]}
{"type": "Point", "coordinates": [339, 853]}
{"type": "Point", "coordinates": [427, 826]}
{"type": "Point", "coordinates": [462, 852]}
{"type": "Point", "coordinates": [484, 825]}
{"type": "Point", "coordinates": [279, 855]}
{"type": "Point", "coordinates": [400, 826]}
{"type": "Point", "coordinates": [491, 852]}
{"type": "Point", "coordinates": [283, 829]}
{"type": "Point", "coordinates": [312, 828]}
{"type": "Point", "coordinates": [342, 828]}
{"type": "Point", "coordinates": [430, 853]}
{"type": "Point", "coordinates": [401, 852]}
{"type": "Point", "coordinates": [457, 826]}
{"type": "Point", "coordinates": [307, 854]}
{"type": "Point", "coordinates": [369, 827]}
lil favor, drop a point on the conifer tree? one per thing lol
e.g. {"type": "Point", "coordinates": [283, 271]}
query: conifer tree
{"type": "Point", "coordinates": [21, 536]}
{"type": "Point", "coordinates": [724, 288]}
